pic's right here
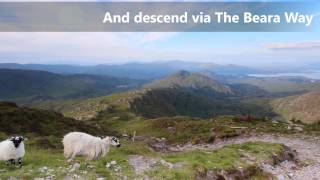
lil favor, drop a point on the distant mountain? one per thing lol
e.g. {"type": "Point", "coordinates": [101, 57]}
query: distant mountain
{"type": "Point", "coordinates": [183, 93]}
{"type": "Point", "coordinates": [29, 85]}
{"type": "Point", "coordinates": [151, 70]}
{"type": "Point", "coordinates": [304, 108]}
{"type": "Point", "coordinates": [190, 81]}
{"type": "Point", "coordinates": [276, 85]}
{"type": "Point", "coordinates": [60, 69]}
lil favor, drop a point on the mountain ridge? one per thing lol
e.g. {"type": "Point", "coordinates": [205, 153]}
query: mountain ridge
{"type": "Point", "coordinates": [189, 80]}
{"type": "Point", "coordinates": [147, 70]}
{"type": "Point", "coordinates": [38, 85]}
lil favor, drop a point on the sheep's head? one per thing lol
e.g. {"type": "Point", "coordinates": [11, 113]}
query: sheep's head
{"type": "Point", "coordinates": [17, 140]}
{"type": "Point", "coordinates": [113, 141]}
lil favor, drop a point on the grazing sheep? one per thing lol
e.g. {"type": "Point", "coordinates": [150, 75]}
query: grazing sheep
{"type": "Point", "coordinates": [78, 143]}
{"type": "Point", "coordinates": [12, 150]}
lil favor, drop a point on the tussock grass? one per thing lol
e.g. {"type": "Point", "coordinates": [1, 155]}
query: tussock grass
{"type": "Point", "coordinates": [226, 158]}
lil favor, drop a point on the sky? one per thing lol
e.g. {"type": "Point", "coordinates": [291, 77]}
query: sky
{"type": "Point", "coordinates": [89, 48]}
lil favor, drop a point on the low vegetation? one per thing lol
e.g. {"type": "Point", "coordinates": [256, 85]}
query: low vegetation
{"type": "Point", "coordinates": [43, 163]}
{"type": "Point", "coordinates": [181, 129]}
{"type": "Point", "coordinates": [154, 103]}
{"type": "Point", "coordinates": [46, 128]}
{"type": "Point", "coordinates": [185, 108]}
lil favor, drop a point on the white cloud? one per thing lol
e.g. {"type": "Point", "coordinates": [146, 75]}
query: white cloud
{"type": "Point", "coordinates": [156, 36]}
{"type": "Point", "coordinates": [83, 47]}
{"type": "Point", "coordinates": [294, 45]}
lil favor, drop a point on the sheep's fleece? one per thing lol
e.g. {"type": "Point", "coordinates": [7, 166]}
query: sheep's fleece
{"type": "Point", "coordinates": [12, 149]}
{"type": "Point", "coordinates": [78, 143]}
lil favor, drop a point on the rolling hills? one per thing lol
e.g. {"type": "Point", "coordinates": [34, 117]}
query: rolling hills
{"type": "Point", "coordinates": [175, 121]}
{"type": "Point", "coordinates": [151, 70]}
{"type": "Point", "coordinates": [280, 86]}
{"type": "Point", "coordinates": [304, 108]}
{"type": "Point", "coordinates": [183, 93]}
{"type": "Point", "coordinates": [30, 85]}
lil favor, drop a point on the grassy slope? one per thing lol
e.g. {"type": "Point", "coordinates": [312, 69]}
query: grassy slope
{"type": "Point", "coordinates": [175, 101]}
{"type": "Point", "coordinates": [89, 108]}
{"type": "Point", "coordinates": [177, 130]}
{"type": "Point", "coordinates": [180, 130]}
{"type": "Point", "coordinates": [45, 128]}
{"type": "Point", "coordinates": [53, 159]}
{"type": "Point", "coordinates": [302, 108]}
{"type": "Point", "coordinates": [227, 158]}
{"type": "Point", "coordinates": [155, 103]}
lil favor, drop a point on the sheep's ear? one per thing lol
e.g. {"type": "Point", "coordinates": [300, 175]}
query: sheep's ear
{"type": "Point", "coordinates": [12, 138]}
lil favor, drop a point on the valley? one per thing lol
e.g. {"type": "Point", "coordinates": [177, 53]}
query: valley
{"type": "Point", "coordinates": [181, 124]}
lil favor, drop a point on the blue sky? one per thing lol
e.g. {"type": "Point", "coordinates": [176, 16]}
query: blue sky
{"type": "Point", "coordinates": [249, 48]}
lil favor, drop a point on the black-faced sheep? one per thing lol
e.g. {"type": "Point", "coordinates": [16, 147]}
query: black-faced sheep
{"type": "Point", "coordinates": [12, 150]}
{"type": "Point", "coordinates": [82, 144]}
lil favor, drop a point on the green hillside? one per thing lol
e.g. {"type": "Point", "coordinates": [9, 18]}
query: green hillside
{"type": "Point", "coordinates": [154, 103]}
{"type": "Point", "coordinates": [304, 108]}
{"type": "Point", "coordinates": [29, 86]}
{"type": "Point", "coordinates": [178, 101]}
{"type": "Point", "coordinates": [45, 126]}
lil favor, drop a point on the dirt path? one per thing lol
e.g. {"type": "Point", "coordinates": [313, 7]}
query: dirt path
{"type": "Point", "coordinates": [308, 149]}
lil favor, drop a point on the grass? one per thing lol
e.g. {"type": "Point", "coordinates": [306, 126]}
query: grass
{"type": "Point", "coordinates": [37, 158]}
{"type": "Point", "coordinates": [226, 158]}
{"type": "Point", "coordinates": [180, 129]}
{"type": "Point", "coordinates": [84, 109]}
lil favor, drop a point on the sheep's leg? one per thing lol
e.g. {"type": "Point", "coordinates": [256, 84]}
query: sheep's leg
{"type": "Point", "coordinates": [67, 155]}
{"type": "Point", "coordinates": [11, 162]}
{"type": "Point", "coordinates": [8, 162]}
{"type": "Point", "coordinates": [20, 161]}
{"type": "Point", "coordinates": [72, 156]}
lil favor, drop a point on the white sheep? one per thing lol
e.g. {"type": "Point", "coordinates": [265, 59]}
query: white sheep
{"type": "Point", "coordinates": [82, 144]}
{"type": "Point", "coordinates": [12, 150]}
